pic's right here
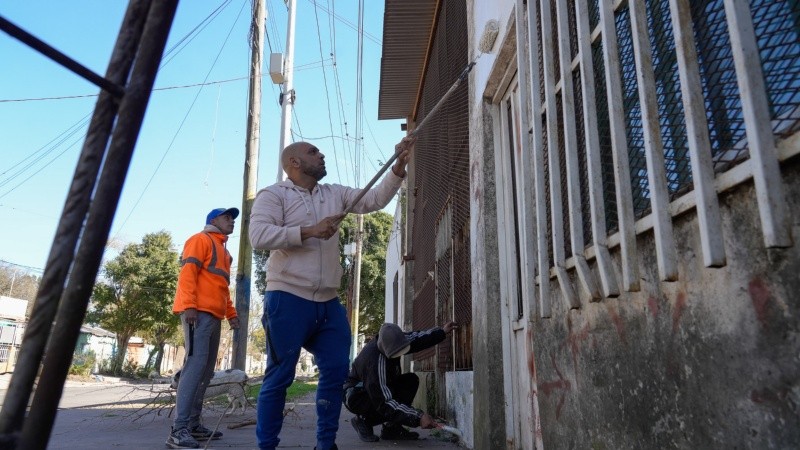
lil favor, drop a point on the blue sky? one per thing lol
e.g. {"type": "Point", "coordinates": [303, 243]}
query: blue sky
{"type": "Point", "coordinates": [190, 155]}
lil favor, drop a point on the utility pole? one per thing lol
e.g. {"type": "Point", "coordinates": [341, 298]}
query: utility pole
{"type": "Point", "coordinates": [287, 95]}
{"type": "Point", "coordinates": [244, 267]}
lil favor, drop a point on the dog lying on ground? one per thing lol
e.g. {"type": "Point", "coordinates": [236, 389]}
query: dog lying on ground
{"type": "Point", "coordinates": [229, 382]}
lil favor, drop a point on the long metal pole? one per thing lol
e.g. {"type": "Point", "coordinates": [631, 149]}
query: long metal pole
{"type": "Point", "coordinates": [287, 102]}
{"type": "Point", "coordinates": [244, 271]}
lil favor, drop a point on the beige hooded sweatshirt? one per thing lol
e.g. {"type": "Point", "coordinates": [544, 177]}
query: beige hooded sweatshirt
{"type": "Point", "coordinates": [310, 269]}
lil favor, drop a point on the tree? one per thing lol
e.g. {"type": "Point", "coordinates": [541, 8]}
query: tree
{"type": "Point", "coordinates": [377, 229]}
{"type": "Point", "coordinates": [159, 335]}
{"type": "Point", "coordinates": [137, 293]}
{"type": "Point", "coordinates": [17, 283]}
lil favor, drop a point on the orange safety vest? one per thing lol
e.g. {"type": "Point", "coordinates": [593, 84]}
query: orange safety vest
{"type": "Point", "coordinates": [205, 276]}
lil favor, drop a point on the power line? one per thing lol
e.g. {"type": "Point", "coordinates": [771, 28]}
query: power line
{"type": "Point", "coordinates": [340, 100]}
{"type": "Point", "coordinates": [350, 24]}
{"type": "Point", "coordinates": [67, 134]}
{"type": "Point", "coordinates": [185, 117]}
{"type": "Point", "coordinates": [306, 138]}
{"type": "Point", "coordinates": [80, 138]}
{"type": "Point", "coordinates": [33, 269]}
{"type": "Point", "coordinates": [60, 138]}
{"type": "Point", "coordinates": [312, 65]}
{"type": "Point", "coordinates": [192, 34]}
{"type": "Point", "coordinates": [327, 97]}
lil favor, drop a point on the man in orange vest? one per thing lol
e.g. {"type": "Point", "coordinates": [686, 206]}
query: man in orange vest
{"type": "Point", "coordinates": [203, 300]}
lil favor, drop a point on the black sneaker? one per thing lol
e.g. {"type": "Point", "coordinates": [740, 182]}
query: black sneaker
{"type": "Point", "coordinates": [364, 431]}
{"type": "Point", "coordinates": [181, 438]}
{"type": "Point", "coordinates": [398, 433]}
{"type": "Point", "coordinates": [204, 434]}
{"type": "Point", "coordinates": [332, 448]}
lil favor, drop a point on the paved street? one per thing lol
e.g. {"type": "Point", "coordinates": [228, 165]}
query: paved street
{"type": "Point", "coordinates": [111, 414]}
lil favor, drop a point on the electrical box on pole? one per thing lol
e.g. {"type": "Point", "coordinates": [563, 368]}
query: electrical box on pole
{"type": "Point", "coordinates": [276, 68]}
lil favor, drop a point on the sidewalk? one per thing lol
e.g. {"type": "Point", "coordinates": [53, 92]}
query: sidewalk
{"type": "Point", "coordinates": [129, 424]}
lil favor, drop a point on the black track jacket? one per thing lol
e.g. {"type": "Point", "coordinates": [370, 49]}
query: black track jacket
{"type": "Point", "coordinates": [378, 373]}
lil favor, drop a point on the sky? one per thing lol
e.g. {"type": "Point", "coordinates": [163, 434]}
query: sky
{"type": "Point", "coordinates": [190, 153]}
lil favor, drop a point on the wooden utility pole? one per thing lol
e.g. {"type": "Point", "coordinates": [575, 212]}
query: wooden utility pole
{"type": "Point", "coordinates": [244, 266]}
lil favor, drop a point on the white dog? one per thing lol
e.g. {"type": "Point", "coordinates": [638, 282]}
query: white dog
{"type": "Point", "coordinates": [229, 382]}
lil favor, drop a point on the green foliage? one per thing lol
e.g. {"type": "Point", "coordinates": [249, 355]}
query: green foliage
{"type": "Point", "coordinates": [130, 369]}
{"type": "Point", "coordinates": [377, 229]}
{"type": "Point", "coordinates": [137, 292]}
{"type": "Point", "coordinates": [82, 363]}
{"type": "Point", "coordinates": [258, 340]}
{"type": "Point", "coordinates": [295, 391]}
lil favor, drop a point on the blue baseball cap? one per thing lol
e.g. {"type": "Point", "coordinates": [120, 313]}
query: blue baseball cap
{"type": "Point", "coordinates": [234, 213]}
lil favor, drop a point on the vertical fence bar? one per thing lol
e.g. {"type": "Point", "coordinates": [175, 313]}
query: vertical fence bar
{"type": "Point", "coordinates": [760, 139]}
{"type": "Point", "coordinates": [556, 202]}
{"type": "Point", "coordinates": [527, 200]}
{"type": "Point", "coordinates": [666, 253]}
{"type": "Point", "coordinates": [608, 279]}
{"type": "Point", "coordinates": [619, 146]}
{"type": "Point", "coordinates": [708, 215]}
{"type": "Point", "coordinates": [528, 402]}
{"type": "Point", "coordinates": [577, 241]}
{"type": "Point", "coordinates": [538, 163]}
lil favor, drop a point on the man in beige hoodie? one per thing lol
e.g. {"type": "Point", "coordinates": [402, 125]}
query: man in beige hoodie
{"type": "Point", "coordinates": [297, 220]}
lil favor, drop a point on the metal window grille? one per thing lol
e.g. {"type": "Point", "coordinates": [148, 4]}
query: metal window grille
{"type": "Point", "coordinates": [604, 132]}
{"type": "Point", "coordinates": [670, 104]}
{"type": "Point", "coordinates": [562, 162]}
{"type": "Point", "coordinates": [633, 115]}
{"type": "Point", "coordinates": [544, 273]}
{"type": "Point", "coordinates": [441, 182]}
{"type": "Point", "coordinates": [586, 213]}
{"type": "Point", "coordinates": [777, 27]}
{"type": "Point", "coordinates": [777, 33]}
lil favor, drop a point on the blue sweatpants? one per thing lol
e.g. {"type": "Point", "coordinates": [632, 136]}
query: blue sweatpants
{"type": "Point", "coordinates": [292, 323]}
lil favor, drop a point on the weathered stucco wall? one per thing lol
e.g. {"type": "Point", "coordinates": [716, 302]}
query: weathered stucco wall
{"type": "Point", "coordinates": [460, 405]}
{"type": "Point", "coordinates": [487, 340]}
{"type": "Point", "coordinates": [709, 361]}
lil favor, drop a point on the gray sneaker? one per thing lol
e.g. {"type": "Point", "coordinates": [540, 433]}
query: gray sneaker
{"type": "Point", "coordinates": [202, 433]}
{"type": "Point", "coordinates": [181, 438]}
{"type": "Point", "coordinates": [364, 431]}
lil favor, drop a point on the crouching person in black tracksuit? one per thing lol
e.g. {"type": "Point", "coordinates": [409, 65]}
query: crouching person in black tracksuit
{"type": "Point", "coordinates": [377, 392]}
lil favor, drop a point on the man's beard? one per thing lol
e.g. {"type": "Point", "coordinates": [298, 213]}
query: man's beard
{"type": "Point", "coordinates": [316, 173]}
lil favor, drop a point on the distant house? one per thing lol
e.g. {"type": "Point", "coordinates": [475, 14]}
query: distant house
{"type": "Point", "coordinates": [102, 343]}
{"type": "Point", "coordinates": [12, 327]}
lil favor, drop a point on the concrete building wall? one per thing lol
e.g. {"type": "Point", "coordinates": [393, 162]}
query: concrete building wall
{"type": "Point", "coordinates": [461, 406]}
{"type": "Point", "coordinates": [708, 361]}
{"type": "Point", "coordinates": [489, 415]}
